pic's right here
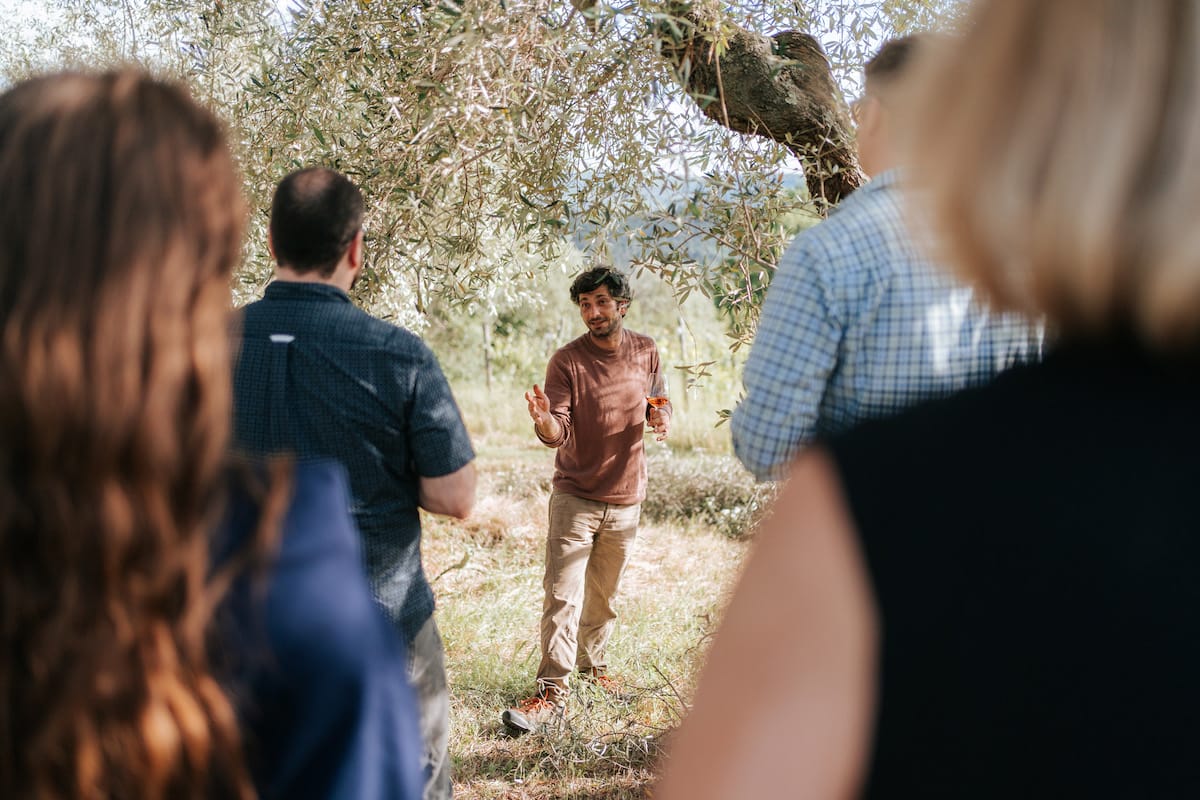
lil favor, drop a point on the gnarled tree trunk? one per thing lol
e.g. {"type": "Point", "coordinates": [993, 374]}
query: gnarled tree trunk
{"type": "Point", "coordinates": [780, 87]}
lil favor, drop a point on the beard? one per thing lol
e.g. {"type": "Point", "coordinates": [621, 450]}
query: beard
{"type": "Point", "coordinates": [605, 328]}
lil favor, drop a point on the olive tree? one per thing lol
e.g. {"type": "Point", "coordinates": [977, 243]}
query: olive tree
{"type": "Point", "coordinates": [495, 139]}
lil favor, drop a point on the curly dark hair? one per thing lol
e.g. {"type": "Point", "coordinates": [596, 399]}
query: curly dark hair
{"type": "Point", "coordinates": [121, 221]}
{"type": "Point", "coordinates": [594, 278]}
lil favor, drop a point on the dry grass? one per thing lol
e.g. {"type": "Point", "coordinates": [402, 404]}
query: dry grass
{"type": "Point", "coordinates": [488, 574]}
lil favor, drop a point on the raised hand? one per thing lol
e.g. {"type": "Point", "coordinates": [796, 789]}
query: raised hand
{"type": "Point", "coordinates": [539, 407]}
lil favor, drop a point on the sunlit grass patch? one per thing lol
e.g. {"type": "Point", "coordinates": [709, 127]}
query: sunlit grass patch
{"type": "Point", "coordinates": [488, 581]}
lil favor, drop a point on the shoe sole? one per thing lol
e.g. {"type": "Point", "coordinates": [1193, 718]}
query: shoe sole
{"type": "Point", "coordinates": [513, 724]}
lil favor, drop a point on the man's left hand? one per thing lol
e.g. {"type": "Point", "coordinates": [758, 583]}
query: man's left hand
{"type": "Point", "coordinates": [660, 420]}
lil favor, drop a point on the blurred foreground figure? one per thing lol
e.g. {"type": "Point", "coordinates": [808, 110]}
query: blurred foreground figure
{"type": "Point", "coordinates": [995, 595]}
{"type": "Point", "coordinates": [858, 323]}
{"type": "Point", "coordinates": [154, 596]}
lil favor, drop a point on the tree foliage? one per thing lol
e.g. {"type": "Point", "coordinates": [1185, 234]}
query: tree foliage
{"type": "Point", "coordinates": [488, 135]}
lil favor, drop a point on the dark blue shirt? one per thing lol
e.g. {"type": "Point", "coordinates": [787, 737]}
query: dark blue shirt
{"type": "Point", "coordinates": [315, 669]}
{"type": "Point", "coordinates": [319, 377]}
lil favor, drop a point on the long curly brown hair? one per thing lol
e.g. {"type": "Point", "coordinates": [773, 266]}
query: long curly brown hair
{"type": "Point", "coordinates": [120, 224]}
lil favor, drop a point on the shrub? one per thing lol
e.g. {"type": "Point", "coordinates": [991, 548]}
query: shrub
{"type": "Point", "coordinates": [711, 490]}
{"type": "Point", "coordinates": [692, 488]}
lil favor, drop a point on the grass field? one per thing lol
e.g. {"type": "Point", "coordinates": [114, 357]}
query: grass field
{"type": "Point", "coordinates": [487, 575]}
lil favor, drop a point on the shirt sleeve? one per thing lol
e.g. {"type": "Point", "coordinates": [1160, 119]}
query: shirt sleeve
{"type": "Point", "coordinates": [328, 711]}
{"type": "Point", "coordinates": [558, 391]}
{"type": "Point", "coordinates": [793, 355]}
{"type": "Point", "coordinates": [438, 439]}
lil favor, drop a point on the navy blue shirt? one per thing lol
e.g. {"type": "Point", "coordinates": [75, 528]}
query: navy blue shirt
{"type": "Point", "coordinates": [319, 377]}
{"type": "Point", "coordinates": [315, 669]}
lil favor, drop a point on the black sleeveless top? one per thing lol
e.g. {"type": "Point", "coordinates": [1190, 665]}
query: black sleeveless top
{"type": "Point", "coordinates": [1034, 548]}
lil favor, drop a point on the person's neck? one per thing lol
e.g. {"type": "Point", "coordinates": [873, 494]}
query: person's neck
{"type": "Point", "coordinates": [882, 156]}
{"type": "Point", "coordinates": [338, 279]}
{"type": "Point", "coordinates": [611, 343]}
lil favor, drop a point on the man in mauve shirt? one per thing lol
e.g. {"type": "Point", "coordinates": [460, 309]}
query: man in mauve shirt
{"type": "Point", "coordinates": [592, 411]}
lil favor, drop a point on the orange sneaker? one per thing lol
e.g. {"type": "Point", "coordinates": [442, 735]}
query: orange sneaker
{"type": "Point", "coordinates": [602, 680]}
{"type": "Point", "coordinates": [532, 713]}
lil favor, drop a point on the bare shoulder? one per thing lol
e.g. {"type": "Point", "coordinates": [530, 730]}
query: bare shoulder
{"type": "Point", "coordinates": [801, 622]}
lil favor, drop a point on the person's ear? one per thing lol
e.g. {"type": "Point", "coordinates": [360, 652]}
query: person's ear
{"type": "Point", "coordinates": [868, 115]}
{"type": "Point", "coordinates": [271, 245]}
{"type": "Point", "coordinates": [356, 251]}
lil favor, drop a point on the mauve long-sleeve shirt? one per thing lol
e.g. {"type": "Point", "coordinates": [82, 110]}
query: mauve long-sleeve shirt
{"type": "Point", "coordinates": [599, 400]}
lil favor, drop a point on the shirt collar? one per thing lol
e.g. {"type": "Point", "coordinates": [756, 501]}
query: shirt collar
{"type": "Point", "coordinates": [304, 290]}
{"type": "Point", "coordinates": [600, 352]}
{"type": "Point", "coordinates": [885, 179]}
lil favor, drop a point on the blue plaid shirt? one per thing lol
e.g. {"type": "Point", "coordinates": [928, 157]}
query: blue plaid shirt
{"type": "Point", "coordinates": [858, 324]}
{"type": "Point", "coordinates": [321, 378]}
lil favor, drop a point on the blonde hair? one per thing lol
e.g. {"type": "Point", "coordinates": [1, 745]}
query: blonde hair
{"type": "Point", "coordinates": [1060, 144]}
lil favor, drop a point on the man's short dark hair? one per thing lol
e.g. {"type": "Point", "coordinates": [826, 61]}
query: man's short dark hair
{"type": "Point", "coordinates": [594, 278]}
{"type": "Point", "coordinates": [893, 58]}
{"type": "Point", "coordinates": [315, 215]}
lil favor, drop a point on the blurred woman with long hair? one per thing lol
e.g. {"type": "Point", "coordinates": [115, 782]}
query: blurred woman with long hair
{"type": "Point", "coordinates": [120, 225]}
{"type": "Point", "coordinates": [995, 595]}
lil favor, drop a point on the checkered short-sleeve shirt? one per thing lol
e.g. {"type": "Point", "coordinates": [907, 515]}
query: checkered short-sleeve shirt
{"type": "Point", "coordinates": [858, 324]}
{"type": "Point", "coordinates": [320, 378]}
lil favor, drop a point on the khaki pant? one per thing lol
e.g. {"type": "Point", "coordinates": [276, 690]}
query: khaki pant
{"type": "Point", "coordinates": [587, 548]}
